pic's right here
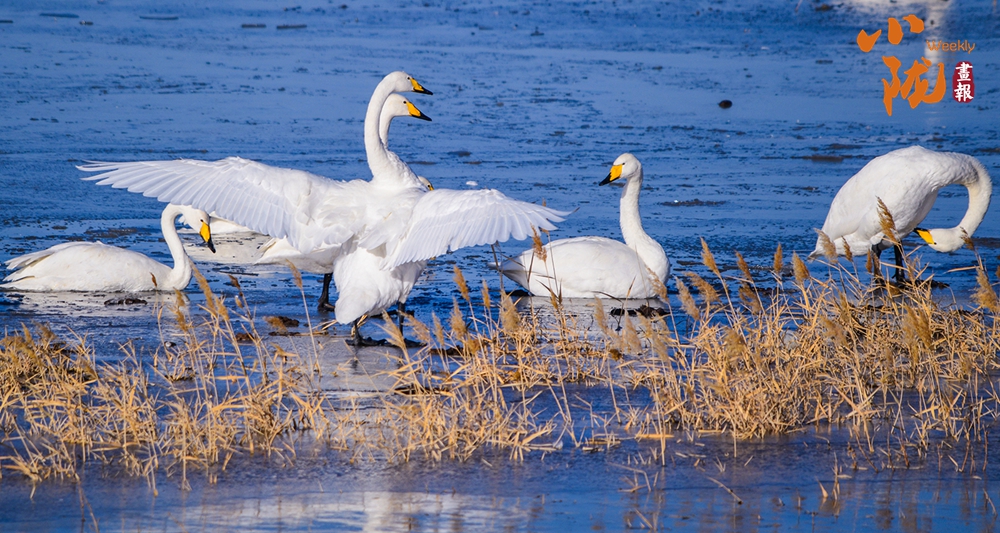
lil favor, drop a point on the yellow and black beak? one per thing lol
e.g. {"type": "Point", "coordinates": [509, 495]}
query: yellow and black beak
{"type": "Point", "coordinates": [925, 235]}
{"type": "Point", "coordinates": [616, 172]}
{"type": "Point", "coordinates": [206, 233]}
{"type": "Point", "coordinates": [416, 113]}
{"type": "Point", "coordinates": [417, 88]}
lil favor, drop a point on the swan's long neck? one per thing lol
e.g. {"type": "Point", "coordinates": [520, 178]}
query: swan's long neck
{"type": "Point", "coordinates": [387, 169]}
{"type": "Point", "coordinates": [636, 238]}
{"type": "Point", "coordinates": [180, 275]}
{"type": "Point", "coordinates": [383, 131]}
{"type": "Point", "coordinates": [980, 190]}
{"type": "Point", "coordinates": [977, 180]}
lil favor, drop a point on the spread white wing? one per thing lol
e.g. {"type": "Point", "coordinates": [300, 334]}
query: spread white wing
{"type": "Point", "coordinates": [444, 220]}
{"type": "Point", "coordinates": [310, 210]}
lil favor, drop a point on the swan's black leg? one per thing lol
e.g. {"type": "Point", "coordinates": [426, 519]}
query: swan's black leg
{"type": "Point", "coordinates": [356, 333]}
{"type": "Point", "coordinates": [900, 272]}
{"type": "Point", "coordinates": [400, 314]}
{"type": "Point", "coordinates": [876, 254]}
{"type": "Point", "coordinates": [357, 340]}
{"type": "Point", "coordinates": [324, 297]}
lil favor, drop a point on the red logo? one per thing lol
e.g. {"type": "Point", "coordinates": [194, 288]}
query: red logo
{"type": "Point", "coordinates": [963, 88]}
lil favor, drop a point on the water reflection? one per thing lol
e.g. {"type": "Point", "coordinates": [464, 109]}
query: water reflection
{"type": "Point", "coordinates": [547, 495]}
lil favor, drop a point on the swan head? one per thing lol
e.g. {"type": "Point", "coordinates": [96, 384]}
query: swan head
{"type": "Point", "coordinates": [943, 239]}
{"type": "Point", "coordinates": [401, 82]}
{"type": "Point", "coordinates": [398, 106]}
{"type": "Point", "coordinates": [198, 220]}
{"type": "Point", "coordinates": [426, 182]}
{"type": "Point", "coordinates": [626, 166]}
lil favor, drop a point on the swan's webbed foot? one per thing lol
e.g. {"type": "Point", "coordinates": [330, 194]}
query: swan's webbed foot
{"type": "Point", "coordinates": [357, 340]}
{"type": "Point", "coordinates": [326, 307]}
{"type": "Point", "coordinates": [363, 342]}
{"type": "Point", "coordinates": [412, 343]}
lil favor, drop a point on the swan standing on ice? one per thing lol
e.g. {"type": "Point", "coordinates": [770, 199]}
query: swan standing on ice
{"type": "Point", "coordinates": [94, 266]}
{"type": "Point", "coordinates": [907, 181]}
{"type": "Point", "coordinates": [321, 262]}
{"type": "Point", "coordinates": [587, 267]}
{"type": "Point", "coordinates": [393, 216]}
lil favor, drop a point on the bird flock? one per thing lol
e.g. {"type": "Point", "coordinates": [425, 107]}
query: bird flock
{"type": "Point", "coordinates": [373, 238]}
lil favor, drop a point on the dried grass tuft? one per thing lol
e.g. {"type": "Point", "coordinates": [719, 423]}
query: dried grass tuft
{"type": "Point", "coordinates": [708, 259]}
{"type": "Point", "coordinates": [829, 249]}
{"type": "Point", "coordinates": [687, 302]}
{"type": "Point", "coordinates": [800, 269]}
{"type": "Point", "coordinates": [847, 250]}
{"type": "Point", "coordinates": [779, 263]}
{"type": "Point", "coordinates": [537, 246]}
{"type": "Point", "coordinates": [887, 222]}
{"type": "Point", "coordinates": [985, 296]}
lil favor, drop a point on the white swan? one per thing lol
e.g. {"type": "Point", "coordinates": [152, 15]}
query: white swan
{"type": "Point", "coordinates": [907, 181]}
{"type": "Point", "coordinates": [585, 267]}
{"type": "Point", "coordinates": [321, 261]}
{"type": "Point", "coordinates": [393, 216]}
{"type": "Point", "coordinates": [364, 287]}
{"type": "Point", "coordinates": [94, 266]}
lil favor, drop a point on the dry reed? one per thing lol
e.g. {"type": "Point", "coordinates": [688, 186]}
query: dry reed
{"type": "Point", "coordinates": [825, 350]}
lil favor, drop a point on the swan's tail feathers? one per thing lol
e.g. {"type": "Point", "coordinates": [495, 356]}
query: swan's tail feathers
{"type": "Point", "coordinates": [23, 261]}
{"type": "Point", "coordinates": [512, 265]}
{"type": "Point", "coordinates": [268, 254]}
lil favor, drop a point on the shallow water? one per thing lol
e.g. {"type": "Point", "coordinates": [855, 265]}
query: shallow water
{"type": "Point", "coordinates": [535, 99]}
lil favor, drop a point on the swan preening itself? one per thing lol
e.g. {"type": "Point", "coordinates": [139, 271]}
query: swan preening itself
{"type": "Point", "coordinates": [393, 218]}
{"type": "Point", "coordinates": [94, 266]}
{"type": "Point", "coordinates": [907, 182]}
{"type": "Point", "coordinates": [587, 267]}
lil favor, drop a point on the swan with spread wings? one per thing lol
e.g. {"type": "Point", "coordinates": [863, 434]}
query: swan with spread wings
{"type": "Point", "coordinates": [393, 216]}
{"type": "Point", "coordinates": [322, 261]}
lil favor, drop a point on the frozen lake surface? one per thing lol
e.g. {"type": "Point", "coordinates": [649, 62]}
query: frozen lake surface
{"type": "Point", "coordinates": [535, 99]}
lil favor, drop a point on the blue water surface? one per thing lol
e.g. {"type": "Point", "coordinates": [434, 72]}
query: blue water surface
{"type": "Point", "coordinates": [535, 99]}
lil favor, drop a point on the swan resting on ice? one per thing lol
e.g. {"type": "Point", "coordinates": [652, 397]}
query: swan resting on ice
{"type": "Point", "coordinates": [95, 266]}
{"type": "Point", "coordinates": [588, 267]}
